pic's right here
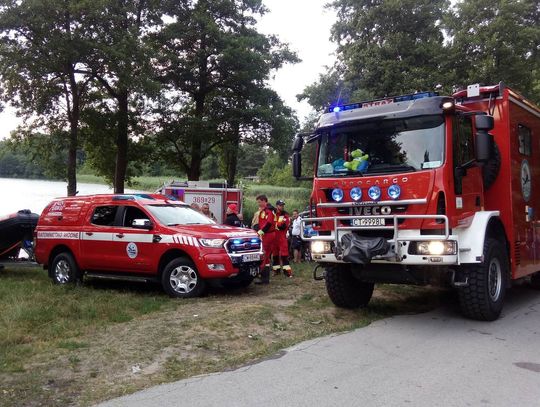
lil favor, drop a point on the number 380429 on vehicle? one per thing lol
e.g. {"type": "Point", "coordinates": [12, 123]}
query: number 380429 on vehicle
{"type": "Point", "coordinates": [143, 237]}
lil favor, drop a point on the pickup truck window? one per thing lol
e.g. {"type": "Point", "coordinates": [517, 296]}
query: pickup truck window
{"type": "Point", "coordinates": [172, 215]}
{"type": "Point", "coordinates": [131, 213]}
{"type": "Point", "coordinates": [104, 215]}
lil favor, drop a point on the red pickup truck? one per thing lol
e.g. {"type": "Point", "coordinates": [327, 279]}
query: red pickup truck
{"type": "Point", "coordinates": [143, 237]}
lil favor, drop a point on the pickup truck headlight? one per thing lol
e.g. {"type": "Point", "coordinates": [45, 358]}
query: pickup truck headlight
{"type": "Point", "coordinates": [215, 243]}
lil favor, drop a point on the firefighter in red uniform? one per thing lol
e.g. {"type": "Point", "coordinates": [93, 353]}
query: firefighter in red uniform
{"type": "Point", "coordinates": [267, 227]}
{"type": "Point", "coordinates": [281, 246]}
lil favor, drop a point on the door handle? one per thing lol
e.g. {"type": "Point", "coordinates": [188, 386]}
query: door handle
{"type": "Point", "coordinates": [89, 233]}
{"type": "Point", "coordinates": [120, 235]}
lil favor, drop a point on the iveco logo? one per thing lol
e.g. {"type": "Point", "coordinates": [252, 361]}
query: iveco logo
{"type": "Point", "coordinates": [371, 210]}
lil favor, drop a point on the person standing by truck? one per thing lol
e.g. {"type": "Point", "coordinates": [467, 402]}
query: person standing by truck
{"type": "Point", "coordinates": [296, 243]}
{"type": "Point", "coordinates": [281, 247]}
{"type": "Point", "coordinates": [205, 209]}
{"type": "Point", "coordinates": [267, 228]}
{"type": "Point", "coordinates": [232, 218]}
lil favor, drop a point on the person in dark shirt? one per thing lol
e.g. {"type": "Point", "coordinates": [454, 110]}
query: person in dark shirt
{"type": "Point", "coordinates": [232, 218]}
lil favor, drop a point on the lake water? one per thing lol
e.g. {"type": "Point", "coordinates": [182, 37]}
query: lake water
{"type": "Point", "coordinates": [16, 194]}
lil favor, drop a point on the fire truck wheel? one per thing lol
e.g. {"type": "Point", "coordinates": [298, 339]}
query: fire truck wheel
{"type": "Point", "coordinates": [64, 269]}
{"type": "Point", "coordinates": [483, 298]}
{"type": "Point", "coordinates": [181, 279]}
{"type": "Point", "coordinates": [535, 281]}
{"type": "Point", "coordinates": [345, 290]}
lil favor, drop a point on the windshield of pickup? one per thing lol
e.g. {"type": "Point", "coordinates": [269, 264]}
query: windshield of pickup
{"type": "Point", "coordinates": [382, 146]}
{"type": "Point", "coordinates": [173, 215]}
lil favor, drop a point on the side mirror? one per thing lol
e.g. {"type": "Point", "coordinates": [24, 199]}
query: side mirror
{"type": "Point", "coordinates": [484, 122]}
{"type": "Point", "coordinates": [297, 164]}
{"type": "Point", "coordinates": [483, 146]}
{"type": "Point", "coordinates": [298, 143]}
{"type": "Point", "coordinates": [142, 224]}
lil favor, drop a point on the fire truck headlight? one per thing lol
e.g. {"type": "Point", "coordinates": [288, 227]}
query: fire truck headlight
{"type": "Point", "coordinates": [320, 247]}
{"type": "Point", "coordinates": [374, 192]}
{"type": "Point", "coordinates": [215, 243]}
{"type": "Point", "coordinates": [337, 194]}
{"type": "Point", "coordinates": [436, 248]}
{"type": "Point", "coordinates": [356, 194]}
{"type": "Point", "coordinates": [394, 191]}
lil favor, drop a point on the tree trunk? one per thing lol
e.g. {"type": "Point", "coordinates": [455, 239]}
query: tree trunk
{"type": "Point", "coordinates": [73, 138]}
{"type": "Point", "coordinates": [121, 143]}
{"type": "Point", "coordinates": [194, 172]}
{"type": "Point", "coordinates": [232, 156]}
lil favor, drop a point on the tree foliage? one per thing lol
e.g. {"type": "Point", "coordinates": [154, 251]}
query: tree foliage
{"type": "Point", "coordinates": [390, 47]}
{"type": "Point", "coordinates": [496, 40]}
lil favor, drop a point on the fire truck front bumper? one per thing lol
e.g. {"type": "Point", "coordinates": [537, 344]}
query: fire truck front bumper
{"type": "Point", "coordinates": [406, 247]}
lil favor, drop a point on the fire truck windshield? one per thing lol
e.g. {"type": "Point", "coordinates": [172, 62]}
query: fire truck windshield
{"type": "Point", "coordinates": [173, 215]}
{"type": "Point", "coordinates": [382, 146]}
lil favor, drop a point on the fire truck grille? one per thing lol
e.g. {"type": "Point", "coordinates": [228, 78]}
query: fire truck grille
{"type": "Point", "coordinates": [242, 245]}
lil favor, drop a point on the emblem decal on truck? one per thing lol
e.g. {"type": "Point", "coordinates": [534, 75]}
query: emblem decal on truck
{"type": "Point", "coordinates": [132, 250]}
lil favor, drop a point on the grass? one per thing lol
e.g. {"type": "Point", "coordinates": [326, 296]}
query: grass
{"type": "Point", "coordinates": [80, 345]}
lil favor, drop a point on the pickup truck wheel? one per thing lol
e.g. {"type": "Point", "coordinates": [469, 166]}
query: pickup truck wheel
{"type": "Point", "coordinates": [345, 290]}
{"type": "Point", "coordinates": [64, 269]}
{"type": "Point", "coordinates": [483, 297]}
{"type": "Point", "coordinates": [181, 279]}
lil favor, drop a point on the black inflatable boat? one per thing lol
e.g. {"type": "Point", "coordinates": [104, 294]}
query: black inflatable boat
{"type": "Point", "coordinates": [16, 231]}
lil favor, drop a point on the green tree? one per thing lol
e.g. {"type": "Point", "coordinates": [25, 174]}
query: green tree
{"type": "Point", "coordinates": [215, 95]}
{"type": "Point", "coordinates": [41, 47]}
{"type": "Point", "coordinates": [390, 46]}
{"type": "Point", "coordinates": [384, 47]}
{"type": "Point", "coordinates": [496, 41]}
{"type": "Point", "coordinates": [121, 64]}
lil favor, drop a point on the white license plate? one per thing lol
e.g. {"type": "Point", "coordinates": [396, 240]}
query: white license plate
{"type": "Point", "coordinates": [369, 222]}
{"type": "Point", "coordinates": [246, 258]}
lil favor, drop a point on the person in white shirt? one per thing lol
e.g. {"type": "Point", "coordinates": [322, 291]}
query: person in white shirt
{"type": "Point", "coordinates": [296, 238]}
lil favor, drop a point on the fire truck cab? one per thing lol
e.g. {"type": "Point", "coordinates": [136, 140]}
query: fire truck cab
{"type": "Point", "coordinates": [423, 188]}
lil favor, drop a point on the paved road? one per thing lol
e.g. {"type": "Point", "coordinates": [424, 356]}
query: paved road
{"type": "Point", "coordinates": [432, 359]}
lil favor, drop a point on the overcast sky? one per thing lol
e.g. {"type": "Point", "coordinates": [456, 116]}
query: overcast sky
{"type": "Point", "coordinates": [304, 24]}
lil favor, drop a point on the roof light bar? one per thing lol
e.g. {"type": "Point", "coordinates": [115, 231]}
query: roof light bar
{"type": "Point", "coordinates": [380, 102]}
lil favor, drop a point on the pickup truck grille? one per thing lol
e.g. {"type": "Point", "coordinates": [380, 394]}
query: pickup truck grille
{"type": "Point", "coordinates": [243, 245]}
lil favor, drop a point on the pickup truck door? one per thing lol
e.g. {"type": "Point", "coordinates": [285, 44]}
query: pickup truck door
{"type": "Point", "coordinates": [133, 248]}
{"type": "Point", "coordinates": [96, 238]}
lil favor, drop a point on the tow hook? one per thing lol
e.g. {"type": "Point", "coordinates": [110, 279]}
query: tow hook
{"type": "Point", "coordinates": [318, 277]}
{"type": "Point", "coordinates": [458, 280]}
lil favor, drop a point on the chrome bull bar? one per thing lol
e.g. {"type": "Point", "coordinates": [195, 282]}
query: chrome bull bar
{"type": "Point", "coordinates": [396, 238]}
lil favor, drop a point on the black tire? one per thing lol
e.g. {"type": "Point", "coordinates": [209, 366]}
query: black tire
{"type": "Point", "coordinates": [483, 298]}
{"type": "Point", "coordinates": [64, 269]}
{"type": "Point", "coordinates": [491, 169]}
{"type": "Point", "coordinates": [345, 290]}
{"type": "Point", "coordinates": [241, 281]}
{"type": "Point", "coordinates": [535, 281]}
{"type": "Point", "coordinates": [181, 279]}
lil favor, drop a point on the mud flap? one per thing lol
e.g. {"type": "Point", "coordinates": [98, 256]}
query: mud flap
{"type": "Point", "coordinates": [360, 250]}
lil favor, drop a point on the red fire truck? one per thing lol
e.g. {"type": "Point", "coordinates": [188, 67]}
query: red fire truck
{"type": "Point", "coordinates": [421, 188]}
{"type": "Point", "coordinates": [216, 194]}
